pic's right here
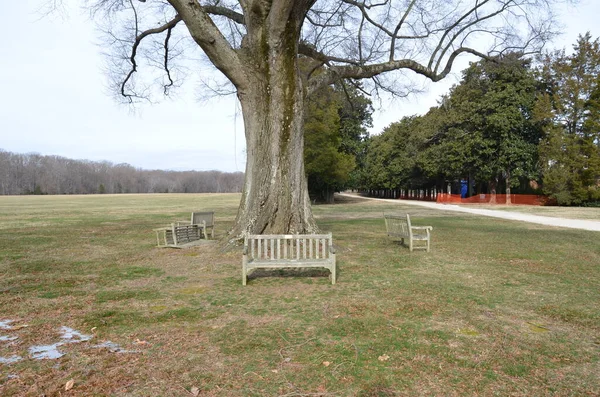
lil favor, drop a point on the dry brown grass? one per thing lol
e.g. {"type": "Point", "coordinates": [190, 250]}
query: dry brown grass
{"type": "Point", "coordinates": [497, 308]}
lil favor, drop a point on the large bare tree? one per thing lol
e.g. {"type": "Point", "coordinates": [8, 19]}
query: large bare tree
{"type": "Point", "coordinates": [276, 53]}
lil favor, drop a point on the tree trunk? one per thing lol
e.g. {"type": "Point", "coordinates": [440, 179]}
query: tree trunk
{"type": "Point", "coordinates": [329, 198]}
{"type": "Point", "coordinates": [275, 197]}
{"type": "Point", "coordinates": [508, 197]}
{"type": "Point", "coordinates": [493, 187]}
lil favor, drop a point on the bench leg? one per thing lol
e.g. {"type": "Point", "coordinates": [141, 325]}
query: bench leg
{"type": "Point", "coordinates": [244, 269]}
{"type": "Point", "coordinates": [333, 269]}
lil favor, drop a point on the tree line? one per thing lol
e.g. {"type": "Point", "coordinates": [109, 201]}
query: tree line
{"type": "Point", "coordinates": [38, 174]}
{"type": "Point", "coordinates": [512, 125]}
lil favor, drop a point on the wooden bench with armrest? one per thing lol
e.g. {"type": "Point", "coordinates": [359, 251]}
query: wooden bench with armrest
{"type": "Point", "coordinates": [288, 251]}
{"type": "Point", "coordinates": [176, 236]}
{"type": "Point", "coordinates": [181, 233]}
{"type": "Point", "coordinates": [399, 226]}
{"type": "Point", "coordinates": [203, 221]}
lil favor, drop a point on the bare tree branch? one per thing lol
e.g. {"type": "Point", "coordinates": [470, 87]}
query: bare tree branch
{"type": "Point", "coordinates": [225, 12]}
{"type": "Point", "coordinates": [370, 71]}
{"type": "Point", "coordinates": [309, 51]}
{"type": "Point", "coordinates": [344, 38]}
{"type": "Point", "coordinates": [138, 40]}
{"type": "Point", "coordinates": [398, 27]}
{"type": "Point", "coordinates": [166, 63]}
{"type": "Point", "coordinates": [212, 41]}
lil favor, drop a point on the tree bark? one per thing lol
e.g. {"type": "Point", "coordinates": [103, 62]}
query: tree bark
{"type": "Point", "coordinates": [275, 196]}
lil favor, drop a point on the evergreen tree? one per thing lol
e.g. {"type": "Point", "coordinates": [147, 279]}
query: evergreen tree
{"type": "Point", "coordinates": [489, 134]}
{"type": "Point", "coordinates": [570, 113]}
{"type": "Point", "coordinates": [335, 131]}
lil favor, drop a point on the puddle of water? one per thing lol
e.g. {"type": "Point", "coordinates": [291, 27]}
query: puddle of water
{"type": "Point", "coordinates": [10, 360]}
{"type": "Point", "coordinates": [46, 352]}
{"type": "Point", "coordinates": [70, 334]}
{"type": "Point", "coordinates": [5, 324]}
{"type": "Point", "coordinates": [51, 352]}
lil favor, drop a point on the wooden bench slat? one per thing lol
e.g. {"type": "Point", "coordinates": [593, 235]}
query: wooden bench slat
{"type": "Point", "coordinates": [304, 248]}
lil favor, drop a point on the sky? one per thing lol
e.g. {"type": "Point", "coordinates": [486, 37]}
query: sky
{"type": "Point", "coordinates": [54, 98]}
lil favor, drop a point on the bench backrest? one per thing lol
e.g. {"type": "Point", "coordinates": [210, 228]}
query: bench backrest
{"type": "Point", "coordinates": [277, 247]}
{"type": "Point", "coordinates": [198, 217]}
{"type": "Point", "coordinates": [397, 224]}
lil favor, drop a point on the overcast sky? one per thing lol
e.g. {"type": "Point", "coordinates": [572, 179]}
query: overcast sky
{"type": "Point", "coordinates": [54, 99]}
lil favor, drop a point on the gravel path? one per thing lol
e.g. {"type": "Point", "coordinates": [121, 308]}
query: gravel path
{"type": "Point", "coordinates": [515, 216]}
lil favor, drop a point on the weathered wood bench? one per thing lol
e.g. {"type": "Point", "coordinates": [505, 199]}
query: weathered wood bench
{"type": "Point", "coordinates": [399, 226]}
{"type": "Point", "coordinates": [176, 236]}
{"type": "Point", "coordinates": [288, 251]}
{"type": "Point", "coordinates": [203, 221]}
{"type": "Point", "coordinates": [182, 233]}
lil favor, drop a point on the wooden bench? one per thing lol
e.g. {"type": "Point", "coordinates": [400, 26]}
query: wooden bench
{"type": "Point", "coordinates": [203, 221]}
{"type": "Point", "coordinates": [399, 226]}
{"type": "Point", "coordinates": [288, 251]}
{"type": "Point", "coordinates": [176, 236]}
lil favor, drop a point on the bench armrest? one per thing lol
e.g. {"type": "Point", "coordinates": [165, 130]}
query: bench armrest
{"type": "Point", "coordinates": [332, 250]}
{"type": "Point", "coordinates": [179, 223]}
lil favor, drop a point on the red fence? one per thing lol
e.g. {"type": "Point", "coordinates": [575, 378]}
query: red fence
{"type": "Point", "coordinates": [527, 199]}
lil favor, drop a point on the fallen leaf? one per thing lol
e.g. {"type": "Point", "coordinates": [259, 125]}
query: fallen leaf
{"type": "Point", "coordinates": [274, 371]}
{"type": "Point", "coordinates": [326, 363]}
{"type": "Point", "coordinates": [141, 342]}
{"type": "Point", "coordinates": [383, 357]}
{"type": "Point", "coordinates": [69, 385]}
{"type": "Point", "coordinates": [195, 391]}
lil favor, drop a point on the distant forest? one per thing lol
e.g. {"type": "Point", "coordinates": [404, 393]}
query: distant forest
{"type": "Point", "coordinates": [33, 173]}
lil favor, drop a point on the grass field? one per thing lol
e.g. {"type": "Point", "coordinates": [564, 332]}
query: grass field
{"type": "Point", "coordinates": [497, 308]}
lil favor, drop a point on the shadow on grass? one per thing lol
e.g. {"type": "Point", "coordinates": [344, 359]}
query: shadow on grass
{"type": "Point", "coordinates": [288, 273]}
